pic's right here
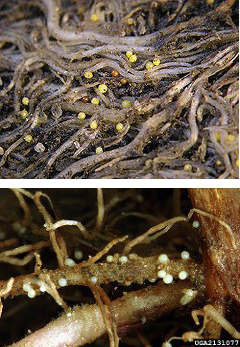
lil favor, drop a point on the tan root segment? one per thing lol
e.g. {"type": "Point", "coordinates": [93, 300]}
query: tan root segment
{"type": "Point", "coordinates": [85, 324]}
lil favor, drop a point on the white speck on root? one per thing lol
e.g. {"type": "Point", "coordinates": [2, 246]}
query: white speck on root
{"type": "Point", "coordinates": [167, 279]}
{"type": "Point", "coordinates": [78, 255]}
{"type": "Point", "coordinates": [31, 293]}
{"type": "Point", "coordinates": [183, 275]}
{"type": "Point", "coordinates": [69, 262]}
{"type": "Point", "coordinates": [185, 255]}
{"type": "Point", "coordinates": [62, 282]}
{"type": "Point", "coordinates": [162, 273]}
{"type": "Point", "coordinates": [26, 287]}
{"type": "Point", "coordinates": [123, 259]}
{"type": "Point", "coordinates": [163, 258]}
{"type": "Point", "coordinates": [109, 258]}
{"type": "Point", "coordinates": [94, 279]}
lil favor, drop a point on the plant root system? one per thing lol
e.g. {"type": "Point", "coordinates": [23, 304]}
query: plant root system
{"type": "Point", "coordinates": [119, 89]}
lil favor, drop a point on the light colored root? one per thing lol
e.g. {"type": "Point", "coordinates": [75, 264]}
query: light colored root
{"type": "Point", "coordinates": [5, 291]}
{"type": "Point", "coordinates": [57, 248]}
{"type": "Point", "coordinates": [210, 312]}
{"type": "Point", "coordinates": [38, 265]}
{"type": "Point", "coordinates": [24, 249]}
{"type": "Point", "coordinates": [164, 225]}
{"type": "Point", "coordinates": [24, 192]}
{"type": "Point", "coordinates": [154, 237]}
{"type": "Point", "coordinates": [228, 228]}
{"type": "Point", "coordinates": [62, 245]}
{"type": "Point", "coordinates": [218, 318]}
{"type": "Point", "coordinates": [23, 204]}
{"type": "Point", "coordinates": [106, 249]}
{"type": "Point", "coordinates": [189, 336]}
{"type": "Point", "coordinates": [18, 262]}
{"type": "Point", "coordinates": [52, 290]}
{"type": "Point", "coordinates": [102, 298]}
{"type": "Point", "coordinates": [8, 243]}
{"type": "Point", "coordinates": [57, 241]}
{"type": "Point", "coordinates": [8, 256]}
{"type": "Point", "coordinates": [195, 315]}
{"type": "Point", "coordinates": [101, 209]}
{"type": "Point", "coordinates": [107, 302]}
{"type": "Point", "coordinates": [63, 222]}
{"type": "Point", "coordinates": [41, 208]}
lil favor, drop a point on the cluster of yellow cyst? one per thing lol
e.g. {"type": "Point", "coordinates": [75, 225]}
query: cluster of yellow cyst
{"type": "Point", "coordinates": [132, 57]}
{"type": "Point", "coordinates": [150, 64]}
{"type": "Point", "coordinates": [230, 138]}
{"type": "Point", "coordinates": [24, 112]}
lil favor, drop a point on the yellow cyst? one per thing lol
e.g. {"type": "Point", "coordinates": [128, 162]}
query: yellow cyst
{"type": "Point", "coordinates": [94, 17]}
{"type": "Point", "coordinates": [237, 162]}
{"type": "Point", "coordinates": [230, 138]}
{"type": "Point", "coordinates": [129, 54]}
{"type": "Point", "coordinates": [88, 74]}
{"type": "Point", "coordinates": [24, 114]}
{"type": "Point", "coordinates": [102, 88]}
{"type": "Point", "coordinates": [126, 103]}
{"type": "Point", "coordinates": [1, 151]}
{"type": "Point", "coordinates": [156, 61]}
{"type": "Point", "coordinates": [119, 127]}
{"type": "Point", "coordinates": [133, 58]}
{"type": "Point", "coordinates": [28, 138]}
{"type": "Point", "coordinates": [99, 150]}
{"type": "Point", "coordinates": [95, 101]}
{"type": "Point", "coordinates": [25, 101]}
{"type": "Point", "coordinates": [218, 162]}
{"type": "Point", "coordinates": [148, 162]}
{"type": "Point", "coordinates": [81, 115]}
{"type": "Point", "coordinates": [218, 136]}
{"type": "Point", "coordinates": [187, 167]}
{"type": "Point", "coordinates": [94, 125]}
{"type": "Point", "coordinates": [130, 21]}
{"type": "Point", "coordinates": [149, 65]}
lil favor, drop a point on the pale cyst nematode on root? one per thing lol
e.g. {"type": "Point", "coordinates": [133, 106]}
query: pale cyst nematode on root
{"type": "Point", "coordinates": [118, 265]}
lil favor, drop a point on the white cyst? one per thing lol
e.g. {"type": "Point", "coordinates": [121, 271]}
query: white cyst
{"type": "Point", "coordinates": [94, 279]}
{"type": "Point", "coordinates": [152, 280]}
{"type": "Point", "coordinates": [123, 259]}
{"type": "Point", "coordinates": [69, 262]}
{"type": "Point", "coordinates": [163, 258]}
{"type": "Point", "coordinates": [185, 255]}
{"type": "Point", "coordinates": [43, 288]}
{"type": "Point", "coordinates": [183, 275]}
{"type": "Point", "coordinates": [62, 282]}
{"type": "Point", "coordinates": [168, 279]}
{"type": "Point", "coordinates": [31, 293]}
{"type": "Point", "coordinates": [78, 255]}
{"type": "Point", "coordinates": [26, 287]}
{"type": "Point", "coordinates": [109, 258]}
{"type": "Point", "coordinates": [196, 224]}
{"type": "Point", "coordinates": [161, 273]}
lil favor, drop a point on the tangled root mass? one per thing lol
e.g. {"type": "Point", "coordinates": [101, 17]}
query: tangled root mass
{"type": "Point", "coordinates": [170, 109]}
